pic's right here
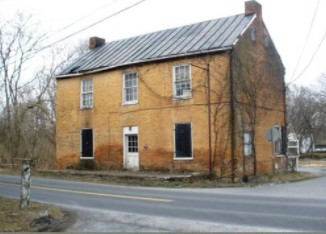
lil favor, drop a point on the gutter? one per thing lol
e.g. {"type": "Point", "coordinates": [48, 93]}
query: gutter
{"type": "Point", "coordinates": [142, 61]}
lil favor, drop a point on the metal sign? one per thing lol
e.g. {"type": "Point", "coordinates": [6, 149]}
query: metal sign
{"type": "Point", "coordinates": [273, 133]}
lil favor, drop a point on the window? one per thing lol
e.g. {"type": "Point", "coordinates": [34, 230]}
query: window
{"type": "Point", "coordinates": [182, 81]}
{"type": "Point", "coordinates": [86, 93]}
{"type": "Point", "coordinates": [279, 137]}
{"type": "Point", "coordinates": [247, 147]}
{"type": "Point", "coordinates": [182, 141]}
{"type": "Point", "coordinates": [130, 93]}
{"type": "Point", "coordinates": [87, 143]}
{"type": "Point", "coordinates": [133, 144]}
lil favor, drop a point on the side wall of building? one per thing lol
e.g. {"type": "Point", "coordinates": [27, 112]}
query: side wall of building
{"type": "Point", "coordinates": [258, 76]}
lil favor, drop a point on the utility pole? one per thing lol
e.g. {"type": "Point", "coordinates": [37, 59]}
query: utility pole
{"type": "Point", "coordinates": [25, 185]}
{"type": "Point", "coordinates": [209, 122]}
{"type": "Point", "coordinates": [210, 166]}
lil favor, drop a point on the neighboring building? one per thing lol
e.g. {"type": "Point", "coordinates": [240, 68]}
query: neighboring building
{"type": "Point", "coordinates": [142, 103]}
{"type": "Point", "coordinates": [319, 139]}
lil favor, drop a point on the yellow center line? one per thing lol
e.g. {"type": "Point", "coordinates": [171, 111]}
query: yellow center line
{"type": "Point", "coordinates": [96, 194]}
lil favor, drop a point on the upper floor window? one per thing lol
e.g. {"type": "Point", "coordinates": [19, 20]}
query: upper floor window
{"type": "Point", "coordinates": [86, 93]}
{"type": "Point", "coordinates": [130, 88]}
{"type": "Point", "coordinates": [182, 81]}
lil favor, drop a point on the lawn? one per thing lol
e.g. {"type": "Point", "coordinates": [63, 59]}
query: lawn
{"type": "Point", "coordinates": [38, 217]}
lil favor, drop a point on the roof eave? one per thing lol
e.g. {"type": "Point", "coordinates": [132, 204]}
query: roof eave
{"type": "Point", "coordinates": [88, 72]}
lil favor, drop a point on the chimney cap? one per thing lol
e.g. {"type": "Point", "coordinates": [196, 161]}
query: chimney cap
{"type": "Point", "coordinates": [95, 42]}
{"type": "Point", "coordinates": [253, 7]}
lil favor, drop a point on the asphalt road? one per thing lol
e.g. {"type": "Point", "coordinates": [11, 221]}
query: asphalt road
{"type": "Point", "coordinates": [299, 206]}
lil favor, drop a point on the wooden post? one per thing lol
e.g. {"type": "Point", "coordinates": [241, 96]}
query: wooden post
{"type": "Point", "coordinates": [25, 185]}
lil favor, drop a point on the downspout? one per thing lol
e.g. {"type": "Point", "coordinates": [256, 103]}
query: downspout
{"type": "Point", "coordinates": [232, 120]}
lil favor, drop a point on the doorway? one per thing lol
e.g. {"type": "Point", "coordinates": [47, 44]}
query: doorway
{"type": "Point", "coordinates": [131, 155]}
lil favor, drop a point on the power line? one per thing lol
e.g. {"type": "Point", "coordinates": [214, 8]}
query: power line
{"type": "Point", "coordinates": [85, 28]}
{"type": "Point", "coordinates": [306, 41]}
{"type": "Point", "coordinates": [84, 17]}
{"type": "Point", "coordinates": [311, 59]}
{"type": "Point", "coordinates": [92, 25]}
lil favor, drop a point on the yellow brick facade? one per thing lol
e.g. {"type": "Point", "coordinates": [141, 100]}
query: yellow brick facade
{"type": "Point", "coordinates": [155, 115]}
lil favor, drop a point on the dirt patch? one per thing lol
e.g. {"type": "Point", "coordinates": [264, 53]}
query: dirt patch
{"type": "Point", "coordinates": [37, 218]}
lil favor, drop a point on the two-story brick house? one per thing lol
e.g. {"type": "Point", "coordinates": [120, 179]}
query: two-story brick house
{"type": "Point", "coordinates": [199, 97]}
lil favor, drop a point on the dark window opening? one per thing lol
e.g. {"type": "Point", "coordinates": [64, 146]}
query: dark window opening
{"type": "Point", "coordinates": [87, 143]}
{"type": "Point", "coordinates": [133, 144]}
{"type": "Point", "coordinates": [183, 146]}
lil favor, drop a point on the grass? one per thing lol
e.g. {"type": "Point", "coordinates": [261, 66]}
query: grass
{"type": "Point", "coordinates": [199, 181]}
{"type": "Point", "coordinates": [33, 219]}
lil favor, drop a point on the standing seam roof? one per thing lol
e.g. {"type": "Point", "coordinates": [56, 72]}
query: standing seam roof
{"type": "Point", "coordinates": [207, 36]}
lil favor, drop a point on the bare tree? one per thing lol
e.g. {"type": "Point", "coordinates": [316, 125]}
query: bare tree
{"type": "Point", "coordinates": [27, 104]}
{"type": "Point", "coordinates": [306, 114]}
{"type": "Point", "coordinates": [18, 43]}
{"type": "Point", "coordinates": [255, 96]}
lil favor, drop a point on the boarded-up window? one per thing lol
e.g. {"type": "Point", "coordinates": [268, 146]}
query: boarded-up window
{"type": "Point", "coordinates": [87, 143]}
{"type": "Point", "coordinates": [183, 145]}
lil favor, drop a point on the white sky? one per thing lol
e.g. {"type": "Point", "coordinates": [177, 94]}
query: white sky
{"type": "Point", "coordinates": [288, 22]}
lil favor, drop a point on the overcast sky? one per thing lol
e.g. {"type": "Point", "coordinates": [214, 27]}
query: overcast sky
{"type": "Point", "coordinates": [288, 22]}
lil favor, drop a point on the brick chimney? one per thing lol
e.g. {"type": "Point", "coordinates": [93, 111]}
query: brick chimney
{"type": "Point", "coordinates": [95, 42]}
{"type": "Point", "coordinates": [253, 7]}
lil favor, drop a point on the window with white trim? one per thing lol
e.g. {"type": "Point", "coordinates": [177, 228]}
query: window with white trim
{"type": "Point", "coordinates": [247, 145]}
{"type": "Point", "coordinates": [86, 99]}
{"type": "Point", "coordinates": [130, 88]}
{"type": "Point", "coordinates": [277, 140]}
{"type": "Point", "coordinates": [182, 81]}
{"type": "Point", "coordinates": [182, 141]}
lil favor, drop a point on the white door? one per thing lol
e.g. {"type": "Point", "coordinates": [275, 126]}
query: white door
{"type": "Point", "coordinates": [131, 156]}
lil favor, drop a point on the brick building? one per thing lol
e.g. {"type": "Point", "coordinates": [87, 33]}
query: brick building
{"type": "Point", "coordinates": [195, 98]}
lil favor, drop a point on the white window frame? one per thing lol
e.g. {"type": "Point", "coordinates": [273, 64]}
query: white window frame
{"type": "Point", "coordinates": [247, 144]}
{"type": "Point", "coordinates": [84, 94]}
{"type": "Point", "coordinates": [277, 141]}
{"type": "Point", "coordinates": [192, 145]}
{"type": "Point", "coordinates": [124, 88]}
{"type": "Point", "coordinates": [183, 96]}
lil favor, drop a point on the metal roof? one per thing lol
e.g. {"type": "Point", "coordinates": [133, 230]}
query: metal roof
{"type": "Point", "coordinates": [208, 36]}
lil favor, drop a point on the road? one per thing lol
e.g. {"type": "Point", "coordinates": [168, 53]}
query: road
{"type": "Point", "coordinates": [299, 206]}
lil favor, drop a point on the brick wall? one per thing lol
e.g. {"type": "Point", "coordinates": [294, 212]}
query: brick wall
{"type": "Point", "coordinates": [259, 81]}
{"type": "Point", "coordinates": [155, 115]}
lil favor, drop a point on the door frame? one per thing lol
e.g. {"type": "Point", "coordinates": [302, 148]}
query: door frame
{"type": "Point", "coordinates": [127, 131]}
